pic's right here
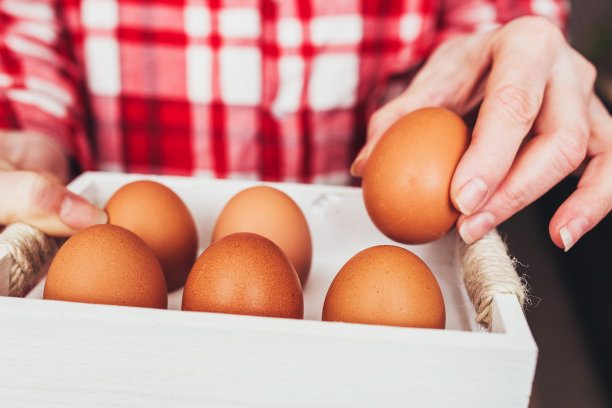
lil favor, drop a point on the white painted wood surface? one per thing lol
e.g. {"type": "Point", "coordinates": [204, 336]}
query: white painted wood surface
{"type": "Point", "coordinates": [64, 354]}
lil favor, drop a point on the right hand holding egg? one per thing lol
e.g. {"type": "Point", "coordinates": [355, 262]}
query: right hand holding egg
{"type": "Point", "coordinates": [33, 170]}
{"type": "Point", "coordinates": [539, 121]}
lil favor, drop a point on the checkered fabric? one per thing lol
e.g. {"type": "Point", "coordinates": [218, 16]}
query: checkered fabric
{"type": "Point", "coordinates": [268, 89]}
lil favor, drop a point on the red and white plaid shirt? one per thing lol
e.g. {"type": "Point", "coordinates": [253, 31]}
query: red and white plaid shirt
{"type": "Point", "coordinates": [268, 89]}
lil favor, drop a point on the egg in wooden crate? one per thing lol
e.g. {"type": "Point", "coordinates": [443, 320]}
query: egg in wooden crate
{"type": "Point", "coordinates": [205, 357]}
{"type": "Point", "coordinates": [388, 285]}
{"type": "Point", "coordinates": [269, 212]}
{"type": "Point", "coordinates": [106, 264]}
{"type": "Point", "coordinates": [158, 215]}
{"type": "Point", "coordinates": [244, 273]}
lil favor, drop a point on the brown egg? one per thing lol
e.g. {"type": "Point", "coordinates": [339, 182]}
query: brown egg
{"type": "Point", "coordinates": [386, 285]}
{"type": "Point", "coordinates": [158, 216]}
{"type": "Point", "coordinates": [106, 264]}
{"type": "Point", "coordinates": [406, 181]}
{"type": "Point", "coordinates": [269, 212]}
{"type": "Point", "coordinates": [244, 273]}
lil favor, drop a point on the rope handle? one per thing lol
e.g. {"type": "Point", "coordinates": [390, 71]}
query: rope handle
{"type": "Point", "coordinates": [487, 268]}
{"type": "Point", "coordinates": [488, 271]}
{"type": "Point", "coordinates": [27, 250]}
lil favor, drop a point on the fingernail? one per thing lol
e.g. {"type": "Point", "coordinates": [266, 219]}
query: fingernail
{"type": "Point", "coordinates": [572, 232]}
{"type": "Point", "coordinates": [77, 213]}
{"type": "Point", "coordinates": [471, 195]}
{"type": "Point", "coordinates": [357, 166]}
{"type": "Point", "coordinates": [475, 227]}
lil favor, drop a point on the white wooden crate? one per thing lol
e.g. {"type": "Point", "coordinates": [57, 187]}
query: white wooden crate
{"type": "Point", "coordinates": [66, 354]}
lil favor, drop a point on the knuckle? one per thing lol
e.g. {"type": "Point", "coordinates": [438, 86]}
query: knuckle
{"type": "Point", "coordinates": [24, 190]}
{"type": "Point", "coordinates": [599, 203]}
{"type": "Point", "coordinates": [539, 29]}
{"type": "Point", "coordinates": [549, 32]}
{"type": "Point", "coordinates": [602, 189]}
{"type": "Point", "coordinates": [517, 104]}
{"type": "Point", "coordinates": [40, 194]}
{"type": "Point", "coordinates": [514, 195]}
{"type": "Point", "coordinates": [571, 146]}
{"type": "Point", "coordinates": [589, 72]}
{"type": "Point", "coordinates": [602, 203]}
{"type": "Point", "coordinates": [584, 69]}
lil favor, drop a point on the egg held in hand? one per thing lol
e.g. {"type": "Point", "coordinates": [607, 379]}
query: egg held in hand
{"type": "Point", "coordinates": [106, 264]}
{"type": "Point", "coordinates": [386, 285]}
{"type": "Point", "coordinates": [407, 178]}
{"type": "Point", "coordinates": [244, 273]}
{"type": "Point", "coordinates": [158, 215]}
{"type": "Point", "coordinates": [269, 212]}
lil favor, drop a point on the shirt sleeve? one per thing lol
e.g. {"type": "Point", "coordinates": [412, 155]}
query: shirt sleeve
{"type": "Point", "coordinates": [40, 84]}
{"type": "Point", "coordinates": [462, 17]}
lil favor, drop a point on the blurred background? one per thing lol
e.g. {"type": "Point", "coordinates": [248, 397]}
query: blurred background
{"type": "Point", "coordinates": [571, 312]}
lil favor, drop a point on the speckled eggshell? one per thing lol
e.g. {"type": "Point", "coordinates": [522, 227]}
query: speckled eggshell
{"type": "Point", "coordinates": [106, 264]}
{"type": "Point", "coordinates": [244, 273]}
{"type": "Point", "coordinates": [158, 215]}
{"type": "Point", "coordinates": [271, 213]}
{"type": "Point", "coordinates": [406, 180]}
{"type": "Point", "coordinates": [386, 285]}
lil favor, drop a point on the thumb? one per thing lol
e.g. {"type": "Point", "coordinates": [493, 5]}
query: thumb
{"type": "Point", "coordinates": [45, 204]}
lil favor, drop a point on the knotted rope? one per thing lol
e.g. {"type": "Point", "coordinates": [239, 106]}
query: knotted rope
{"type": "Point", "coordinates": [489, 271]}
{"type": "Point", "coordinates": [28, 250]}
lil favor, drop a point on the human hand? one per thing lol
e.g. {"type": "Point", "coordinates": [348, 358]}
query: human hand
{"type": "Point", "coordinates": [33, 170]}
{"type": "Point", "coordinates": [539, 121]}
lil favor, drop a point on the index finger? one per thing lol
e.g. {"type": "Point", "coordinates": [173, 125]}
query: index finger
{"type": "Point", "coordinates": [521, 68]}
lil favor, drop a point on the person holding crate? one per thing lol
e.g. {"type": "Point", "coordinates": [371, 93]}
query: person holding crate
{"type": "Point", "coordinates": [291, 90]}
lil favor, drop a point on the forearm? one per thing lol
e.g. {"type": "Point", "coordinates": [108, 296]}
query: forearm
{"type": "Point", "coordinates": [41, 106]}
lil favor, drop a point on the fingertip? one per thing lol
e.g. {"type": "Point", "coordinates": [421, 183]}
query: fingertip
{"type": "Point", "coordinates": [471, 196]}
{"type": "Point", "coordinates": [472, 181]}
{"type": "Point", "coordinates": [465, 235]}
{"type": "Point", "coordinates": [77, 213]}
{"type": "Point", "coordinates": [101, 217]}
{"type": "Point", "coordinates": [359, 163]}
{"type": "Point", "coordinates": [357, 167]}
{"type": "Point", "coordinates": [554, 230]}
{"type": "Point", "coordinates": [472, 228]}
{"type": "Point", "coordinates": [566, 236]}
{"type": "Point", "coordinates": [572, 220]}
